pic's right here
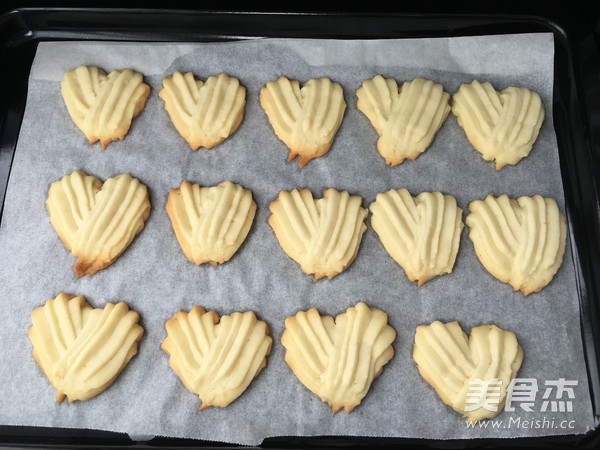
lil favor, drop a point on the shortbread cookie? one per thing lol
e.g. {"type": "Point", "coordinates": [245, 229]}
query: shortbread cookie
{"type": "Point", "coordinates": [322, 235]}
{"type": "Point", "coordinates": [470, 374]}
{"type": "Point", "coordinates": [80, 349]}
{"type": "Point", "coordinates": [216, 359]}
{"type": "Point", "coordinates": [421, 233]}
{"type": "Point", "coordinates": [521, 242]}
{"type": "Point", "coordinates": [305, 118]}
{"type": "Point", "coordinates": [204, 113]}
{"type": "Point", "coordinates": [338, 360]}
{"type": "Point", "coordinates": [406, 118]}
{"type": "Point", "coordinates": [97, 221]}
{"type": "Point", "coordinates": [101, 105]}
{"type": "Point", "coordinates": [502, 126]}
{"type": "Point", "coordinates": [211, 223]}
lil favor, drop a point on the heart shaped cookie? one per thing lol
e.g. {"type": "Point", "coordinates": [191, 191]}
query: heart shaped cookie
{"type": "Point", "coordinates": [502, 126]}
{"type": "Point", "coordinates": [305, 118]}
{"type": "Point", "coordinates": [521, 242]}
{"type": "Point", "coordinates": [338, 360]}
{"type": "Point", "coordinates": [204, 114]}
{"type": "Point", "coordinates": [97, 221]}
{"type": "Point", "coordinates": [101, 105]}
{"type": "Point", "coordinates": [81, 349]}
{"type": "Point", "coordinates": [421, 233]}
{"type": "Point", "coordinates": [322, 235]}
{"type": "Point", "coordinates": [211, 223]}
{"type": "Point", "coordinates": [406, 118]}
{"type": "Point", "coordinates": [459, 367]}
{"type": "Point", "coordinates": [216, 358]}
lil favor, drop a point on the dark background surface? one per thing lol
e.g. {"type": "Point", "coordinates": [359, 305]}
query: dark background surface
{"type": "Point", "coordinates": [580, 19]}
{"type": "Point", "coordinates": [586, 13]}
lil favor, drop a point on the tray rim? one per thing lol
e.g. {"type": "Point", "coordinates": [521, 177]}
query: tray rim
{"type": "Point", "coordinates": [27, 35]}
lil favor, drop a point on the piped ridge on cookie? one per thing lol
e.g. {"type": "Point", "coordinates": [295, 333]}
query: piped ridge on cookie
{"type": "Point", "coordinates": [216, 358]}
{"type": "Point", "coordinates": [81, 349]}
{"type": "Point", "coordinates": [321, 235]}
{"type": "Point", "coordinates": [204, 113]}
{"type": "Point", "coordinates": [338, 360]}
{"type": "Point", "coordinates": [305, 118]}
{"type": "Point", "coordinates": [211, 223]}
{"type": "Point", "coordinates": [97, 221]}
{"type": "Point", "coordinates": [502, 126]}
{"type": "Point", "coordinates": [455, 365]}
{"type": "Point", "coordinates": [422, 233]}
{"type": "Point", "coordinates": [406, 118]}
{"type": "Point", "coordinates": [103, 106]}
{"type": "Point", "coordinates": [520, 242]}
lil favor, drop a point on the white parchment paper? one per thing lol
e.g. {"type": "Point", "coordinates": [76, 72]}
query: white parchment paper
{"type": "Point", "coordinates": [154, 277]}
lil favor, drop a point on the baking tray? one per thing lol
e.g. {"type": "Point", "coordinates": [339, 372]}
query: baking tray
{"type": "Point", "coordinates": [576, 114]}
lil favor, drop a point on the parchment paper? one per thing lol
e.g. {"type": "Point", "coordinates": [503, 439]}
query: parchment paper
{"type": "Point", "coordinates": [154, 277]}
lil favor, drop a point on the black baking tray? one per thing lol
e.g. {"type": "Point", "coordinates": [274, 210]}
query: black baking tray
{"type": "Point", "coordinates": [577, 122]}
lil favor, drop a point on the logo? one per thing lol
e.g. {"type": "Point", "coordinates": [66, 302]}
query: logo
{"type": "Point", "coordinates": [522, 395]}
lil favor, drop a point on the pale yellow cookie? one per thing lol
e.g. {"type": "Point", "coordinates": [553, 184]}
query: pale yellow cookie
{"type": "Point", "coordinates": [211, 223]}
{"type": "Point", "coordinates": [101, 105]}
{"type": "Point", "coordinates": [470, 374]}
{"type": "Point", "coordinates": [81, 349]}
{"type": "Point", "coordinates": [97, 221]}
{"type": "Point", "coordinates": [406, 118]}
{"type": "Point", "coordinates": [521, 242]}
{"type": "Point", "coordinates": [321, 235]}
{"type": "Point", "coordinates": [502, 126]}
{"type": "Point", "coordinates": [305, 118]}
{"type": "Point", "coordinates": [204, 113]}
{"type": "Point", "coordinates": [216, 358]}
{"type": "Point", "coordinates": [338, 360]}
{"type": "Point", "coordinates": [421, 233]}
